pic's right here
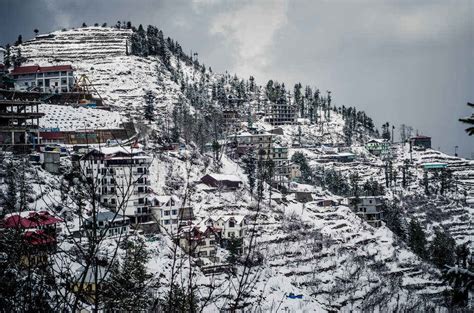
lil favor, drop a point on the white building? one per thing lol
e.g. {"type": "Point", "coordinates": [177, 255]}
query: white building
{"type": "Point", "coordinates": [108, 224]}
{"type": "Point", "coordinates": [121, 175]}
{"type": "Point", "coordinates": [260, 140]}
{"type": "Point", "coordinates": [49, 79]}
{"type": "Point", "coordinates": [229, 227]}
{"type": "Point", "coordinates": [368, 208]}
{"type": "Point", "coordinates": [169, 213]}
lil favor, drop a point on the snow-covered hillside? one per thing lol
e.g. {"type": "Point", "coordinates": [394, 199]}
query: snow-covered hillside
{"type": "Point", "coordinates": [328, 254]}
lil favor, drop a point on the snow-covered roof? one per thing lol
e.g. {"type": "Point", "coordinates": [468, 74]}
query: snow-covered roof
{"type": "Point", "coordinates": [227, 177]}
{"type": "Point", "coordinates": [107, 216]}
{"type": "Point", "coordinates": [163, 198]}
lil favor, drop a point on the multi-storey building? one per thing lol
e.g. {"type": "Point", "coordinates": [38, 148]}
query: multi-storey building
{"type": "Point", "coordinates": [122, 177]}
{"type": "Point", "coordinates": [257, 141]}
{"type": "Point", "coordinates": [49, 79]}
{"type": "Point", "coordinates": [19, 122]}
{"type": "Point", "coordinates": [279, 155]}
{"type": "Point", "coordinates": [281, 113]}
{"type": "Point", "coordinates": [368, 208]}
{"type": "Point", "coordinates": [169, 213]}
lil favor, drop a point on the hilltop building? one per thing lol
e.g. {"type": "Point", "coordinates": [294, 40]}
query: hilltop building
{"type": "Point", "coordinates": [50, 79]}
{"type": "Point", "coordinates": [423, 142]}
{"type": "Point", "coordinates": [3, 52]}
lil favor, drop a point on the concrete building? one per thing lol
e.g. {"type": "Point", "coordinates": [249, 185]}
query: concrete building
{"type": "Point", "coordinates": [423, 142]}
{"type": "Point", "coordinates": [122, 175]}
{"type": "Point", "coordinates": [378, 147]}
{"type": "Point", "coordinates": [108, 224]}
{"type": "Point", "coordinates": [257, 141]}
{"type": "Point", "coordinates": [169, 213]}
{"type": "Point", "coordinates": [49, 79]}
{"type": "Point", "coordinates": [199, 240]}
{"type": "Point", "coordinates": [368, 208]}
{"type": "Point", "coordinates": [19, 122]}
{"type": "Point", "coordinates": [281, 114]}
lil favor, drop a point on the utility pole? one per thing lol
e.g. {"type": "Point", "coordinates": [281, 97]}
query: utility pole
{"type": "Point", "coordinates": [456, 151]}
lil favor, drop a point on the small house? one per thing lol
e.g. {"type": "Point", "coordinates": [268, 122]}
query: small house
{"type": "Point", "coordinates": [378, 147]}
{"type": "Point", "coordinates": [200, 240]}
{"type": "Point", "coordinates": [85, 283]}
{"type": "Point", "coordinates": [369, 208]}
{"type": "Point", "coordinates": [226, 182]}
{"type": "Point", "coordinates": [108, 224]}
{"type": "Point", "coordinates": [423, 142]}
{"type": "Point", "coordinates": [304, 196]}
{"type": "Point", "coordinates": [169, 213]}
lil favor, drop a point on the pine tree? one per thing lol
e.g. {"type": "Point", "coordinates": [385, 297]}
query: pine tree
{"type": "Point", "coordinates": [149, 106]}
{"type": "Point", "coordinates": [306, 173]}
{"type": "Point", "coordinates": [7, 57]}
{"type": "Point", "coordinates": [442, 249]}
{"type": "Point", "coordinates": [19, 41]}
{"type": "Point", "coordinates": [127, 289]}
{"type": "Point", "coordinates": [386, 131]}
{"type": "Point", "coordinates": [417, 239]}
{"type": "Point", "coordinates": [426, 183]}
{"type": "Point", "coordinates": [11, 200]}
{"type": "Point", "coordinates": [250, 167]}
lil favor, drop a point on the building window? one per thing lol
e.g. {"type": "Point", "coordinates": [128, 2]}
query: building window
{"type": "Point", "coordinates": [167, 213]}
{"type": "Point", "coordinates": [174, 212]}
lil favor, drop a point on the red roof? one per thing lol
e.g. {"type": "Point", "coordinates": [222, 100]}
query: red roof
{"type": "Point", "coordinates": [31, 220]}
{"type": "Point", "coordinates": [38, 237]}
{"type": "Point", "coordinates": [31, 69]}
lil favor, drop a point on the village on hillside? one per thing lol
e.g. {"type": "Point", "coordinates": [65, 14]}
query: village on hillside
{"type": "Point", "coordinates": [217, 177]}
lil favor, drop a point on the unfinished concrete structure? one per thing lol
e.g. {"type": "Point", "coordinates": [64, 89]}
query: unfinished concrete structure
{"type": "Point", "coordinates": [19, 122]}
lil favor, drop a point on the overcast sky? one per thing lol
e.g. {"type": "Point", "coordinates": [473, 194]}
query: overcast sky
{"type": "Point", "coordinates": [406, 62]}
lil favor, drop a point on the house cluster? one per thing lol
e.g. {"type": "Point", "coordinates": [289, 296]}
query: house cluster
{"type": "Point", "coordinates": [264, 146]}
{"type": "Point", "coordinates": [202, 239]}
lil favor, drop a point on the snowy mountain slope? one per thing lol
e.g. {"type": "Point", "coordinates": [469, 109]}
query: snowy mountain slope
{"type": "Point", "coordinates": [65, 46]}
{"type": "Point", "coordinates": [329, 255]}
